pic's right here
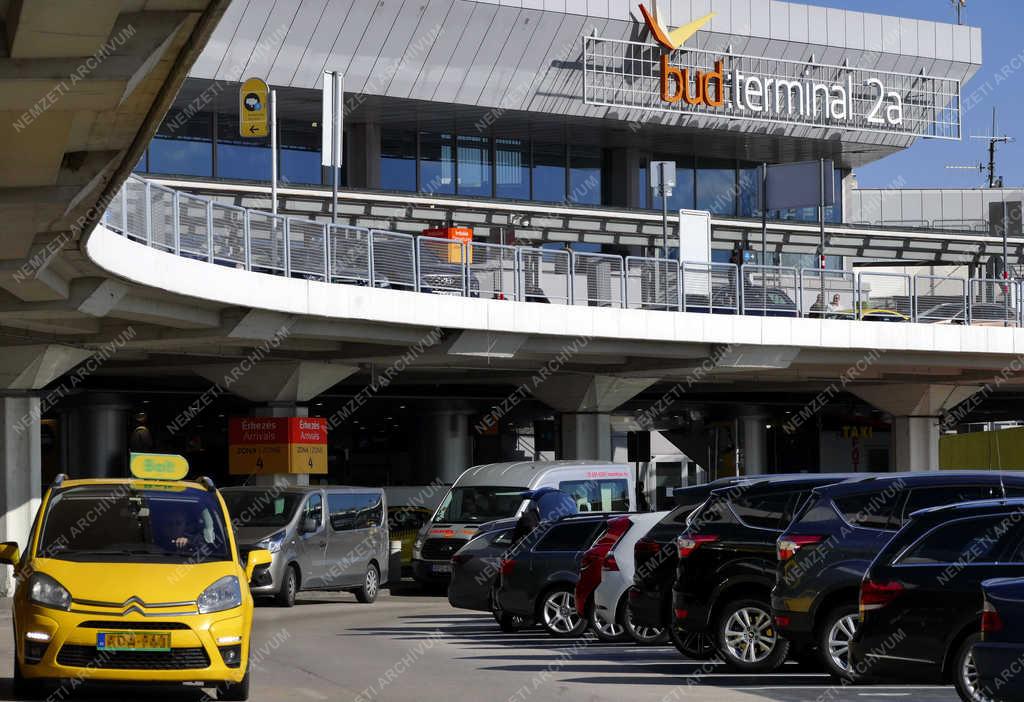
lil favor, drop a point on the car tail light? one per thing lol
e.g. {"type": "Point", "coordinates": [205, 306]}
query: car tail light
{"type": "Point", "coordinates": [646, 547]}
{"type": "Point", "coordinates": [506, 566]}
{"type": "Point", "coordinates": [782, 621]}
{"type": "Point", "coordinates": [991, 622]}
{"type": "Point", "coordinates": [875, 595]}
{"type": "Point", "coordinates": [682, 613]}
{"type": "Point", "coordinates": [610, 563]}
{"type": "Point", "coordinates": [460, 559]}
{"type": "Point", "coordinates": [789, 544]}
{"type": "Point", "coordinates": [689, 544]}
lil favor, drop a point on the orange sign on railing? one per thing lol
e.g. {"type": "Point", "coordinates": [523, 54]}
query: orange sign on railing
{"type": "Point", "coordinates": [462, 235]}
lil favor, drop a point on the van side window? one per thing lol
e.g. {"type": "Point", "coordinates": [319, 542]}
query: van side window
{"type": "Point", "coordinates": [314, 510]}
{"type": "Point", "coordinates": [343, 509]}
{"type": "Point", "coordinates": [370, 510]}
{"type": "Point", "coordinates": [598, 495]}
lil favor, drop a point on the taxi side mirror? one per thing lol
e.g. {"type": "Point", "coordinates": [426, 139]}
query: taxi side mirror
{"type": "Point", "coordinates": [9, 553]}
{"type": "Point", "coordinates": [257, 557]}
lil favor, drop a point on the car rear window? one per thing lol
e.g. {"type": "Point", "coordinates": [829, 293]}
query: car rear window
{"type": "Point", "coordinates": [977, 540]}
{"type": "Point", "coordinates": [574, 536]}
{"type": "Point", "coordinates": [767, 511]}
{"type": "Point", "coordinates": [872, 510]}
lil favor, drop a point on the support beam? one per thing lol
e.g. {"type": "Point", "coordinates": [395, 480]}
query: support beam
{"type": "Point", "coordinates": [20, 489]}
{"type": "Point", "coordinates": [276, 381]}
{"type": "Point", "coordinates": [586, 435]}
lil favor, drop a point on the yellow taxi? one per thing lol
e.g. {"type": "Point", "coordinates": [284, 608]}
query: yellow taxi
{"type": "Point", "coordinates": [133, 580]}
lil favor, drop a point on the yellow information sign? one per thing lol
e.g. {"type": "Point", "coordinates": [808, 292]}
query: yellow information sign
{"type": "Point", "coordinates": [253, 109]}
{"type": "Point", "coordinates": [158, 466]}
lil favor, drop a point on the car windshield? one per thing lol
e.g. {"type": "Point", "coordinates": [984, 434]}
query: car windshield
{"type": "Point", "coordinates": [479, 504]}
{"type": "Point", "coordinates": [154, 523]}
{"type": "Point", "coordinates": [260, 508]}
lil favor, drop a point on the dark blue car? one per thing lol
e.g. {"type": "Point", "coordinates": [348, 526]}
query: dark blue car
{"type": "Point", "coordinates": [999, 655]}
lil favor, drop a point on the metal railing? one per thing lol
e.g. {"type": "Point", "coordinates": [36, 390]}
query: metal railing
{"type": "Point", "coordinates": [199, 228]}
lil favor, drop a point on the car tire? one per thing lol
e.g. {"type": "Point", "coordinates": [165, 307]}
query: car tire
{"type": "Point", "coordinates": [834, 637]}
{"type": "Point", "coordinates": [235, 692]}
{"type": "Point", "coordinates": [698, 646]}
{"type": "Point", "coordinates": [26, 688]}
{"type": "Point", "coordinates": [641, 635]}
{"type": "Point", "coordinates": [747, 639]}
{"type": "Point", "coordinates": [289, 587]}
{"type": "Point", "coordinates": [965, 673]}
{"type": "Point", "coordinates": [609, 632]}
{"type": "Point", "coordinates": [557, 613]}
{"type": "Point", "coordinates": [367, 592]}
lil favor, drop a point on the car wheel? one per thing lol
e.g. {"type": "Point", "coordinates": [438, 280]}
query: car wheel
{"type": "Point", "coordinates": [965, 673]}
{"type": "Point", "coordinates": [367, 592]}
{"type": "Point", "coordinates": [837, 630]}
{"type": "Point", "coordinates": [290, 586]}
{"type": "Point", "coordinates": [26, 688]}
{"type": "Point", "coordinates": [558, 613]}
{"type": "Point", "coordinates": [699, 646]}
{"type": "Point", "coordinates": [747, 637]}
{"type": "Point", "coordinates": [607, 631]}
{"type": "Point", "coordinates": [236, 692]}
{"type": "Point", "coordinates": [643, 635]}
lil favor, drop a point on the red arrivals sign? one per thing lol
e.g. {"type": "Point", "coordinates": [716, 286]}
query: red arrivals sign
{"type": "Point", "coordinates": [270, 445]}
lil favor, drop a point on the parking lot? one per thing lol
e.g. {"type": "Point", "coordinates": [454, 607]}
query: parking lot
{"type": "Point", "coordinates": [411, 647]}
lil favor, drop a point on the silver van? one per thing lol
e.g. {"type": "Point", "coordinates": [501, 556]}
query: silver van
{"type": "Point", "coordinates": [495, 491]}
{"type": "Point", "coordinates": [320, 538]}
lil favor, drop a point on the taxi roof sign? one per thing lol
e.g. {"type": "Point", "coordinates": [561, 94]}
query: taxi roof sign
{"type": "Point", "coordinates": [158, 466]}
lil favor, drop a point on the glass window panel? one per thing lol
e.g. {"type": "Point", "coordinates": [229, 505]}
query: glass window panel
{"type": "Point", "coordinates": [750, 186]}
{"type": "Point", "coordinates": [585, 175]}
{"type": "Point", "coordinates": [512, 168]}
{"type": "Point", "coordinates": [977, 540]}
{"type": "Point", "coordinates": [398, 160]}
{"type": "Point", "coordinates": [437, 163]}
{"type": "Point", "coordinates": [183, 147]}
{"type": "Point", "coordinates": [300, 153]}
{"type": "Point", "coordinates": [682, 195]}
{"type": "Point", "coordinates": [549, 172]}
{"type": "Point", "coordinates": [716, 186]}
{"type": "Point", "coordinates": [474, 165]}
{"type": "Point", "coordinates": [140, 167]}
{"type": "Point", "coordinates": [238, 158]}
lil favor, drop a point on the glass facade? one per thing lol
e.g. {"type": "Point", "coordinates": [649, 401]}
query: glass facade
{"type": "Point", "coordinates": [465, 164]}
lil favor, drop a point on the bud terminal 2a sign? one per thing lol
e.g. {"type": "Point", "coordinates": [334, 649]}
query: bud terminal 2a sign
{"type": "Point", "coordinates": [665, 76]}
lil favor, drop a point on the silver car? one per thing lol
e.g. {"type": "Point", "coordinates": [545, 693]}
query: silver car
{"type": "Point", "coordinates": [320, 538]}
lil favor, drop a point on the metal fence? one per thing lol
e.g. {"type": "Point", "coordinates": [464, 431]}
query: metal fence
{"type": "Point", "coordinates": [198, 228]}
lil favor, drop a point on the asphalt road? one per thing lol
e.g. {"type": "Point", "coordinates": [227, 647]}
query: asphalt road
{"type": "Point", "coordinates": [415, 648]}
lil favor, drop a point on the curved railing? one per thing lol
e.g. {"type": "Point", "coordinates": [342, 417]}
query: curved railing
{"type": "Point", "coordinates": [199, 228]}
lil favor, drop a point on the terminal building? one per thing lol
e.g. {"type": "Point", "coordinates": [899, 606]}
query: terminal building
{"type": "Point", "coordinates": [533, 124]}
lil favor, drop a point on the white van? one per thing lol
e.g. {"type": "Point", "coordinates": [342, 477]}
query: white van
{"type": "Point", "coordinates": [495, 491]}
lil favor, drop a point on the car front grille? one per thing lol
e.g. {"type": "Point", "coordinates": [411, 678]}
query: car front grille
{"type": "Point", "coordinates": [80, 656]}
{"type": "Point", "coordinates": [441, 549]}
{"type": "Point", "coordinates": [131, 626]}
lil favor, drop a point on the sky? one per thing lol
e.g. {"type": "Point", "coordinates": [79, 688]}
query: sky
{"type": "Point", "coordinates": [1002, 38]}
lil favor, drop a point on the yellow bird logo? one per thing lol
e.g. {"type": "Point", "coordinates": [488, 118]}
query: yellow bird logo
{"type": "Point", "coordinates": [678, 36]}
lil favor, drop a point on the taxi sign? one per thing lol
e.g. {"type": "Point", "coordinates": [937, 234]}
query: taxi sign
{"type": "Point", "coordinates": [253, 109]}
{"type": "Point", "coordinates": [158, 466]}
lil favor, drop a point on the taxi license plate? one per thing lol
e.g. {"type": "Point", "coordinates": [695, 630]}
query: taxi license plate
{"type": "Point", "coordinates": [443, 568]}
{"type": "Point", "coordinates": [133, 641]}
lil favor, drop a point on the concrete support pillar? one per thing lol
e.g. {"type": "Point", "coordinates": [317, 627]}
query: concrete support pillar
{"type": "Point", "coordinates": [282, 409]}
{"type": "Point", "coordinates": [586, 435]}
{"type": "Point", "coordinates": [755, 445]}
{"type": "Point", "coordinates": [22, 470]}
{"type": "Point", "coordinates": [362, 163]}
{"type": "Point", "coordinates": [97, 437]}
{"type": "Point", "coordinates": [586, 403]}
{"type": "Point", "coordinates": [915, 409]}
{"type": "Point", "coordinates": [445, 445]}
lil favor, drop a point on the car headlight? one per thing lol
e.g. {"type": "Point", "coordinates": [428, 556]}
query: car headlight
{"type": "Point", "coordinates": [226, 593]}
{"type": "Point", "coordinates": [273, 542]}
{"type": "Point", "coordinates": [44, 590]}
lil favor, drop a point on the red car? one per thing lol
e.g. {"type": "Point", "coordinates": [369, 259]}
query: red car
{"type": "Point", "coordinates": [591, 565]}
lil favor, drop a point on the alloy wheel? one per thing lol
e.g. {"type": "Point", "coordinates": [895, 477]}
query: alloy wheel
{"type": "Point", "coordinates": [971, 681]}
{"type": "Point", "coordinates": [609, 629]}
{"type": "Point", "coordinates": [371, 582]}
{"type": "Point", "coordinates": [839, 638]}
{"type": "Point", "coordinates": [749, 635]}
{"type": "Point", "coordinates": [560, 612]}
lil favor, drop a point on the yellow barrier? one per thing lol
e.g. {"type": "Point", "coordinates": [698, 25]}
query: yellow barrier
{"type": "Point", "coordinates": [983, 450]}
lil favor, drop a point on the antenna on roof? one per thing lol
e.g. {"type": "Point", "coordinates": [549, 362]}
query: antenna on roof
{"type": "Point", "coordinates": [994, 181]}
{"type": "Point", "coordinates": [959, 5]}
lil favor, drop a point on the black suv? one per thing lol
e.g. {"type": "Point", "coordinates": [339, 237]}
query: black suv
{"type": "Point", "coordinates": [921, 599]}
{"type": "Point", "coordinates": [825, 551]}
{"type": "Point", "coordinates": [656, 556]}
{"type": "Point", "coordinates": [537, 579]}
{"type": "Point", "coordinates": [726, 567]}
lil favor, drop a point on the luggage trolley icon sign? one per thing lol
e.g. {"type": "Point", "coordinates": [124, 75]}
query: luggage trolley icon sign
{"type": "Point", "coordinates": [252, 109]}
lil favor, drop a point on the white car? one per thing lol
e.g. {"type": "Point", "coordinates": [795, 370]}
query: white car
{"type": "Point", "coordinates": [609, 617]}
